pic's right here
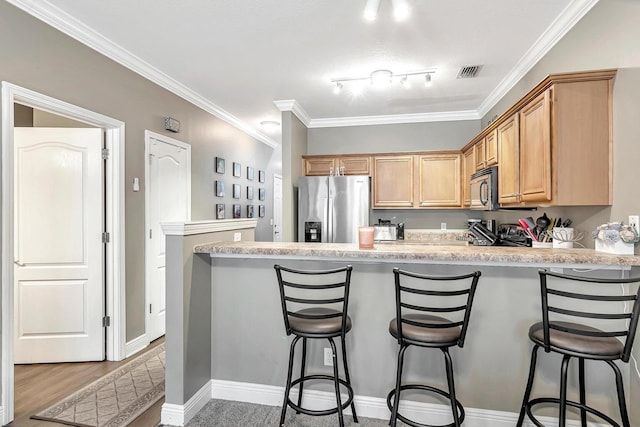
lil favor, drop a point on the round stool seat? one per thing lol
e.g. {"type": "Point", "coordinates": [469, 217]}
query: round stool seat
{"type": "Point", "coordinates": [331, 325]}
{"type": "Point", "coordinates": [426, 333]}
{"type": "Point", "coordinates": [596, 346]}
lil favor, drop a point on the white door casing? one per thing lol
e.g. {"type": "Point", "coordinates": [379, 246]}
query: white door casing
{"type": "Point", "coordinates": [167, 199]}
{"type": "Point", "coordinates": [277, 208]}
{"type": "Point", "coordinates": [114, 225]}
{"type": "Point", "coordinates": [58, 249]}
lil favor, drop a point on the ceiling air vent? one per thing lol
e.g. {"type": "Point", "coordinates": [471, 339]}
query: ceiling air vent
{"type": "Point", "coordinates": [468, 72]}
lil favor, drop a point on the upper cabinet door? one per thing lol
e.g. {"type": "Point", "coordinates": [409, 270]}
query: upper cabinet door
{"type": "Point", "coordinates": [319, 166]}
{"type": "Point", "coordinates": [468, 167]}
{"type": "Point", "coordinates": [535, 149]}
{"type": "Point", "coordinates": [491, 148]}
{"type": "Point", "coordinates": [439, 180]}
{"type": "Point", "coordinates": [509, 170]}
{"type": "Point", "coordinates": [393, 181]}
{"type": "Point", "coordinates": [355, 165]}
{"type": "Point", "coordinates": [480, 154]}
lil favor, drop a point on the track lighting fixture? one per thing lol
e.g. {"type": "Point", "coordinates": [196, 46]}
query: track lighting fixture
{"type": "Point", "coordinates": [371, 10]}
{"type": "Point", "coordinates": [380, 79]}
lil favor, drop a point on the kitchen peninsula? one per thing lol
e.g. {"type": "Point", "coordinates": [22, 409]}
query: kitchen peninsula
{"type": "Point", "coordinates": [234, 346]}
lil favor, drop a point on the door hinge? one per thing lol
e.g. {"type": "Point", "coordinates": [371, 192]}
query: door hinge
{"type": "Point", "coordinates": [151, 233]}
{"type": "Point", "coordinates": [105, 153]}
{"type": "Point", "coordinates": [106, 321]}
{"type": "Point", "coordinates": [149, 308]}
{"type": "Point", "coordinates": [105, 237]}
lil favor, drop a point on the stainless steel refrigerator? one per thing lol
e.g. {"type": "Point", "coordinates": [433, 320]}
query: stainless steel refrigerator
{"type": "Point", "coordinates": [331, 208]}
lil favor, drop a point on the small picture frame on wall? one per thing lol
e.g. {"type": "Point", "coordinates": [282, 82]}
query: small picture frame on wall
{"type": "Point", "coordinates": [261, 176]}
{"type": "Point", "coordinates": [236, 191]}
{"type": "Point", "coordinates": [220, 165]}
{"type": "Point", "coordinates": [261, 194]}
{"type": "Point", "coordinates": [219, 189]}
{"type": "Point", "coordinates": [236, 211]}
{"type": "Point", "coordinates": [220, 211]}
{"type": "Point", "coordinates": [250, 213]}
{"type": "Point", "coordinates": [249, 193]}
{"type": "Point", "coordinates": [261, 210]}
{"type": "Point", "coordinates": [249, 173]}
{"type": "Point", "coordinates": [237, 168]}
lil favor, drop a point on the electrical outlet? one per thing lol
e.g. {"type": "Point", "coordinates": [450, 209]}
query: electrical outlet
{"type": "Point", "coordinates": [634, 222]}
{"type": "Point", "coordinates": [443, 226]}
{"type": "Point", "coordinates": [328, 357]}
{"type": "Point", "coordinates": [237, 237]}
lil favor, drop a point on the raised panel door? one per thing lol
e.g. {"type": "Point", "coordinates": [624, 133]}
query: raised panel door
{"type": "Point", "coordinates": [356, 165]}
{"type": "Point", "coordinates": [468, 167]}
{"type": "Point", "coordinates": [439, 184]}
{"type": "Point", "coordinates": [509, 169]}
{"type": "Point", "coordinates": [393, 182]}
{"type": "Point", "coordinates": [491, 148]}
{"type": "Point", "coordinates": [535, 149]}
{"type": "Point", "coordinates": [319, 166]}
{"type": "Point", "coordinates": [480, 154]}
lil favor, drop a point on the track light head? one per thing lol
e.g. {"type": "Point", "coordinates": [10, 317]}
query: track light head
{"type": "Point", "coordinates": [400, 10]}
{"type": "Point", "coordinates": [427, 80]}
{"type": "Point", "coordinates": [338, 88]}
{"type": "Point", "coordinates": [371, 10]}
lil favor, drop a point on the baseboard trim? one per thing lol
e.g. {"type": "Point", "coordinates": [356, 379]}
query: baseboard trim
{"type": "Point", "coordinates": [179, 415]}
{"type": "Point", "coordinates": [372, 407]}
{"type": "Point", "coordinates": [136, 345]}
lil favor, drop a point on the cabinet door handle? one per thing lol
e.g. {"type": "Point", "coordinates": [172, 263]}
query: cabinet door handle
{"type": "Point", "coordinates": [18, 263]}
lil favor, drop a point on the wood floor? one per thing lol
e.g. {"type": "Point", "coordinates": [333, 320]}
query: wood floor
{"type": "Point", "coordinates": [39, 386]}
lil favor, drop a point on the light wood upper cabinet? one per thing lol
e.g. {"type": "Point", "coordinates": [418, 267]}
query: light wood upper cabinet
{"type": "Point", "coordinates": [393, 181]}
{"type": "Point", "coordinates": [491, 148]}
{"type": "Point", "coordinates": [318, 166]}
{"type": "Point", "coordinates": [535, 149]}
{"type": "Point", "coordinates": [480, 154]}
{"type": "Point", "coordinates": [332, 165]}
{"type": "Point", "coordinates": [509, 171]}
{"type": "Point", "coordinates": [468, 168]}
{"type": "Point", "coordinates": [439, 180]}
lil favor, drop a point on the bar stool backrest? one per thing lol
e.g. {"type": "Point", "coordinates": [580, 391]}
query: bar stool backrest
{"type": "Point", "coordinates": [301, 289]}
{"type": "Point", "coordinates": [597, 302]}
{"type": "Point", "coordinates": [440, 296]}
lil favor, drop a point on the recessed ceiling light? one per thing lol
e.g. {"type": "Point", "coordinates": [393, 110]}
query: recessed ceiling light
{"type": "Point", "coordinates": [270, 125]}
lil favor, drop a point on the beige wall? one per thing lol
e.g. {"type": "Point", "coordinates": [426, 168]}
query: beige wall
{"type": "Point", "coordinates": [37, 57]}
{"type": "Point", "coordinates": [294, 145]}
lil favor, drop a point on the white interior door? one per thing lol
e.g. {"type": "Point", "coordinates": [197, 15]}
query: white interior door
{"type": "Point", "coordinates": [58, 271]}
{"type": "Point", "coordinates": [168, 199]}
{"type": "Point", "coordinates": [277, 208]}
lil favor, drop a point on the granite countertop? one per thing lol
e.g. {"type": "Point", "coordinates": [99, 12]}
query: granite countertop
{"type": "Point", "coordinates": [455, 253]}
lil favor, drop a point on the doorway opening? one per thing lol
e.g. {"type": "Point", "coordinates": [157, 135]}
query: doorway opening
{"type": "Point", "coordinates": [114, 225]}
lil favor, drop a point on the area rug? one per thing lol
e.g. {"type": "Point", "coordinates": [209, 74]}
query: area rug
{"type": "Point", "coordinates": [115, 399]}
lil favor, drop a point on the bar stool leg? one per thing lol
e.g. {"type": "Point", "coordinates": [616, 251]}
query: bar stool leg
{"type": "Point", "coordinates": [337, 383]}
{"type": "Point", "coordinates": [396, 396]}
{"type": "Point", "coordinates": [563, 391]}
{"type": "Point", "coordinates": [621, 398]}
{"type": "Point", "coordinates": [583, 396]}
{"type": "Point", "coordinates": [452, 387]}
{"type": "Point", "coordinates": [527, 392]}
{"type": "Point", "coordinates": [347, 377]}
{"type": "Point", "coordinates": [302, 368]}
{"type": "Point", "coordinates": [287, 388]}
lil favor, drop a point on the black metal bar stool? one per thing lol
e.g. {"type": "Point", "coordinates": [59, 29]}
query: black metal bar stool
{"type": "Point", "coordinates": [416, 297]}
{"type": "Point", "coordinates": [608, 336]}
{"type": "Point", "coordinates": [326, 294]}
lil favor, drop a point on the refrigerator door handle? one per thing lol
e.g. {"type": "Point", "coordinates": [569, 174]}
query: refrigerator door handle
{"type": "Point", "coordinates": [330, 236]}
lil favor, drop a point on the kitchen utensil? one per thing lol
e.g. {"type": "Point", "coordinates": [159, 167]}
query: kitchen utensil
{"type": "Point", "coordinates": [525, 224]}
{"type": "Point", "coordinates": [543, 221]}
{"type": "Point", "coordinates": [567, 223]}
{"type": "Point", "coordinates": [530, 223]}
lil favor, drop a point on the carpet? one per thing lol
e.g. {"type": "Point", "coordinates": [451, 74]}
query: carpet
{"type": "Point", "coordinates": [115, 399]}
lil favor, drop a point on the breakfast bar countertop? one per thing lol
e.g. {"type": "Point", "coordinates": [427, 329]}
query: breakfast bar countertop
{"type": "Point", "coordinates": [426, 252]}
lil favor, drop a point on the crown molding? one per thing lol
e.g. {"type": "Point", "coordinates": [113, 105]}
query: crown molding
{"type": "Point", "coordinates": [60, 20]}
{"type": "Point", "coordinates": [558, 29]}
{"type": "Point", "coordinates": [293, 106]}
{"type": "Point", "coordinates": [395, 119]}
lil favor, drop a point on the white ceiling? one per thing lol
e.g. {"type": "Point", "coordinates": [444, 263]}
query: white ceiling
{"type": "Point", "coordinates": [236, 58]}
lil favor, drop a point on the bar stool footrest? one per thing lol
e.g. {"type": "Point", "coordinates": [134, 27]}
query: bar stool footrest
{"type": "Point", "coordinates": [428, 389]}
{"type": "Point", "coordinates": [571, 403]}
{"type": "Point", "coordinates": [329, 411]}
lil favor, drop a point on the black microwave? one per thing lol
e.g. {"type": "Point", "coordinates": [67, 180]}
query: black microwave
{"type": "Point", "coordinates": [484, 189]}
